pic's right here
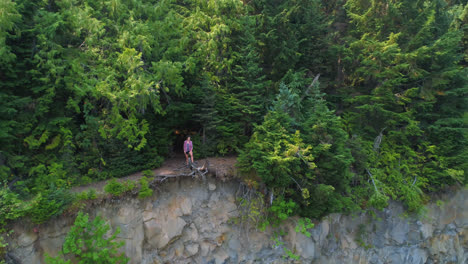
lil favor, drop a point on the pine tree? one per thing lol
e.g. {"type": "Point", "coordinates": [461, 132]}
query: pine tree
{"type": "Point", "coordinates": [249, 87]}
{"type": "Point", "coordinates": [398, 92]}
{"type": "Point", "coordinates": [291, 36]}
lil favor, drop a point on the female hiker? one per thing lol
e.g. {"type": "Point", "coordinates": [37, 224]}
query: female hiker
{"type": "Point", "coordinates": [188, 147]}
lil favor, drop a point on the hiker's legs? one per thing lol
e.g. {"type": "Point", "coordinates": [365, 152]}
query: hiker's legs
{"type": "Point", "coordinates": [191, 156]}
{"type": "Point", "coordinates": [186, 158]}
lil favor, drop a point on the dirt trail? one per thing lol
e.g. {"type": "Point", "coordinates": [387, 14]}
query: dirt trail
{"type": "Point", "coordinates": [221, 167]}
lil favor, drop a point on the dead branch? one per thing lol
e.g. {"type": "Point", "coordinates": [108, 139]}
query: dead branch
{"type": "Point", "coordinates": [81, 45]}
{"type": "Point", "coordinates": [372, 178]}
{"type": "Point", "coordinates": [195, 172]}
{"type": "Point", "coordinates": [415, 179]}
{"type": "Point", "coordinates": [378, 140]}
{"type": "Point", "coordinates": [310, 86]}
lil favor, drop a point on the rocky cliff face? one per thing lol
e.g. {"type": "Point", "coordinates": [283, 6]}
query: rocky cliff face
{"type": "Point", "coordinates": [188, 221]}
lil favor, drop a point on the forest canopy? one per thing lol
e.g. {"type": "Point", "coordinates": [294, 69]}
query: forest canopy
{"type": "Point", "coordinates": [335, 105]}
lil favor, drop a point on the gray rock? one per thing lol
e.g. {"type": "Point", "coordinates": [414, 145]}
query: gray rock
{"type": "Point", "coordinates": [211, 186]}
{"type": "Point", "coordinates": [427, 230]}
{"type": "Point", "coordinates": [320, 231]}
{"type": "Point", "coordinates": [191, 233]}
{"type": "Point", "coordinates": [234, 244]}
{"type": "Point", "coordinates": [400, 231]}
{"type": "Point", "coordinates": [178, 249]}
{"type": "Point", "coordinates": [416, 256]}
{"type": "Point", "coordinates": [23, 248]}
{"type": "Point", "coordinates": [159, 234]}
{"type": "Point", "coordinates": [190, 222]}
{"type": "Point", "coordinates": [185, 206]}
{"type": "Point", "coordinates": [206, 248]}
{"type": "Point", "coordinates": [214, 199]}
{"type": "Point", "coordinates": [414, 236]}
{"type": "Point", "coordinates": [191, 249]}
{"type": "Point", "coordinates": [26, 239]}
{"type": "Point", "coordinates": [220, 256]}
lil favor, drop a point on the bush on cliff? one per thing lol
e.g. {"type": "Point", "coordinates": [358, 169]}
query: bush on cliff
{"type": "Point", "coordinates": [88, 242]}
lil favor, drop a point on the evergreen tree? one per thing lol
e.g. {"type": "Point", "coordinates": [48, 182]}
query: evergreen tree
{"type": "Point", "coordinates": [88, 243]}
{"type": "Point", "coordinates": [96, 89]}
{"type": "Point", "coordinates": [291, 36]}
{"type": "Point", "coordinates": [249, 86]}
{"type": "Point", "coordinates": [394, 82]}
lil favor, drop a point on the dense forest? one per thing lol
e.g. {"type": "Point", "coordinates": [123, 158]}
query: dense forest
{"type": "Point", "coordinates": [330, 105]}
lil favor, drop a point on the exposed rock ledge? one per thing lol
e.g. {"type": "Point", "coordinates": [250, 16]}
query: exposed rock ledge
{"type": "Point", "coordinates": [188, 222]}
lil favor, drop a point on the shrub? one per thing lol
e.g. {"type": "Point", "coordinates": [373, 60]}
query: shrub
{"type": "Point", "coordinates": [11, 207]}
{"type": "Point", "coordinates": [92, 194]}
{"type": "Point", "coordinates": [50, 203]}
{"type": "Point", "coordinates": [145, 191]}
{"type": "Point", "coordinates": [281, 210]}
{"type": "Point", "coordinates": [44, 176]}
{"type": "Point", "coordinates": [148, 173]}
{"type": "Point", "coordinates": [82, 196]}
{"type": "Point", "coordinates": [303, 225]}
{"type": "Point", "coordinates": [88, 242]}
{"type": "Point", "coordinates": [80, 199]}
{"type": "Point", "coordinates": [87, 195]}
{"type": "Point", "coordinates": [378, 201]}
{"type": "Point", "coordinates": [117, 188]}
{"type": "Point", "coordinates": [85, 180]}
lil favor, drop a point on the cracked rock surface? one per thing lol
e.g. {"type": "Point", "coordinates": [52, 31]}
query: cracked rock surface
{"type": "Point", "coordinates": [189, 221]}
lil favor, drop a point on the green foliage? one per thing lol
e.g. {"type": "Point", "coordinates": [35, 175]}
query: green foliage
{"type": "Point", "coordinates": [303, 225]}
{"type": "Point", "coordinates": [92, 194]}
{"type": "Point", "coordinates": [275, 152]}
{"type": "Point", "coordinates": [378, 200]}
{"type": "Point", "coordinates": [313, 162]}
{"type": "Point", "coordinates": [10, 16]}
{"type": "Point", "coordinates": [88, 242]}
{"type": "Point", "coordinates": [49, 203]}
{"type": "Point", "coordinates": [281, 210]}
{"type": "Point", "coordinates": [290, 254]}
{"type": "Point", "coordinates": [80, 200]}
{"type": "Point", "coordinates": [87, 195]}
{"type": "Point", "coordinates": [11, 207]}
{"type": "Point", "coordinates": [117, 188]}
{"type": "Point", "coordinates": [407, 79]}
{"type": "Point", "coordinates": [148, 173]}
{"type": "Point", "coordinates": [145, 191]}
{"type": "Point", "coordinates": [288, 34]}
{"type": "Point", "coordinates": [47, 175]}
{"type": "Point", "coordinates": [92, 90]}
{"type": "Point", "coordinates": [4, 245]}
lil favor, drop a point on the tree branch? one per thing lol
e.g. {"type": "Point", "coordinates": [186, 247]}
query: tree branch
{"type": "Point", "coordinates": [372, 178]}
{"type": "Point", "coordinates": [415, 179]}
{"type": "Point", "coordinates": [378, 140]}
{"type": "Point", "coordinates": [194, 172]}
{"type": "Point", "coordinates": [310, 86]}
